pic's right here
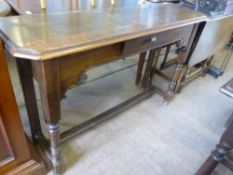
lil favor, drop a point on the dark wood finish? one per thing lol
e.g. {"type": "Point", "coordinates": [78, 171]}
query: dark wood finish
{"type": "Point", "coordinates": [140, 67]}
{"type": "Point", "coordinates": [72, 70]}
{"type": "Point", "coordinates": [229, 44]}
{"type": "Point", "coordinates": [159, 39]}
{"type": "Point", "coordinates": [162, 66]}
{"type": "Point", "coordinates": [193, 72]}
{"type": "Point", "coordinates": [157, 55]}
{"type": "Point", "coordinates": [187, 69]}
{"type": "Point", "coordinates": [218, 155]}
{"type": "Point", "coordinates": [169, 63]}
{"type": "Point", "coordinates": [164, 63]}
{"type": "Point", "coordinates": [149, 66]}
{"type": "Point", "coordinates": [51, 105]}
{"type": "Point", "coordinates": [225, 145]}
{"type": "Point", "coordinates": [50, 78]}
{"type": "Point", "coordinates": [231, 40]}
{"type": "Point", "coordinates": [15, 155]}
{"type": "Point", "coordinates": [188, 73]}
{"type": "Point", "coordinates": [22, 7]}
{"type": "Point", "coordinates": [55, 39]}
{"type": "Point", "coordinates": [26, 79]}
{"type": "Point", "coordinates": [183, 56]}
{"type": "Point", "coordinates": [60, 52]}
{"type": "Point", "coordinates": [165, 57]}
{"type": "Point", "coordinates": [227, 163]}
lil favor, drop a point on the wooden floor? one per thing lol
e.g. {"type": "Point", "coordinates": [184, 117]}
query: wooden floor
{"type": "Point", "coordinates": [148, 139]}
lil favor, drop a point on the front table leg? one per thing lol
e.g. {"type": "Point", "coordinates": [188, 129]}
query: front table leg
{"type": "Point", "coordinates": [54, 134]}
{"type": "Point", "coordinates": [48, 76]}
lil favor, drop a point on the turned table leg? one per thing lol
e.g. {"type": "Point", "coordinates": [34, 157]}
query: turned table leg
{"type": "Point", "coordinates": [172, 86]}
{"type": "Point", "coordinates": [54, 136]}
{"type": "Point", "coordinates": [216, 157]}
{"type": "Point", "coordinates": [151, 68]}
{"type": "Point", "coordinates": [49, 84]}
{"type": "Point", "coordinates": [182, 60]}
{"type": "Point", "coordinates": [224, 146]}
{"type": "Point", "coordinates": [178, 73]}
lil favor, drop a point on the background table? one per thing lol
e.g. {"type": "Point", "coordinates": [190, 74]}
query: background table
{"type": "Point", "coordinates": [29, 6]}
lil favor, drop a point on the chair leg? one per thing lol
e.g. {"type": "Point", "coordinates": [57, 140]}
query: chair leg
{"type": "Point", "coordinates": [211, 163]}
{"type": "Point", "coordinates": [225, 145]}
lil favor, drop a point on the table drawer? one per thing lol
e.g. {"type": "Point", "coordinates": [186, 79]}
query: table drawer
{"type": "Point", "coordinates": [157, 40]}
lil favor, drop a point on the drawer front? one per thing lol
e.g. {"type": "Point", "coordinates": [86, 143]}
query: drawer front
{"type": "Point", "coordinates": [157, 40]}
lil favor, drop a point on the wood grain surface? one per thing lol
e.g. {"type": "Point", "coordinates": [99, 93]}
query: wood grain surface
{"type": "Point", "coordinates": [51, 35]}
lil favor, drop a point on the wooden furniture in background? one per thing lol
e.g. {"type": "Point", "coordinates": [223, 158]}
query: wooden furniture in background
{"type": "Point", "coordinates": [192, 72]}
{"type": "Point", "coordinates": [32, 7]}
{"type": "Point", "coordinates": [158, 70]}
{"type": "Point", "coordinates": [213, 38]}
{"type": "Point", "coordinates": [15, 154]}
{"type": "Point", "coordinates": [59, 52]}
{"type": "Point", "coordinates": [219, 155]}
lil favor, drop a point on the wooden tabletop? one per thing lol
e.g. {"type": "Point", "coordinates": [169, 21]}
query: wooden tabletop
{"type": "Point", "coordinates": [33, 6]}
{"type": "Point", "coordinates": [50, 35]}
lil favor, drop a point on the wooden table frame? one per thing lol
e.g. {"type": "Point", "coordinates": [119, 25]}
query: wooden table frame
{"type": "Point", "coordinates": [57, 56]}
{"type": "Point", "coordinates": [56, 76]}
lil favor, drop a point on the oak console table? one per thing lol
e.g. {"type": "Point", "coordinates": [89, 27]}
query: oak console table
{"type": "Point", "coordinates": [56, 49]}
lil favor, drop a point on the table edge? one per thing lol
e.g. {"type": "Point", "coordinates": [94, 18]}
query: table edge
{"type": "Point", "coordinates": [20, 52]}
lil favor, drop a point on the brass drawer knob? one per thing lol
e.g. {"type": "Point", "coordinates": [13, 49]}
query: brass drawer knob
{"type": "Point", "coordinates": [153, 39]}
